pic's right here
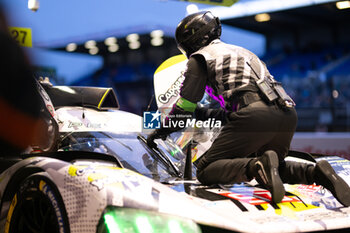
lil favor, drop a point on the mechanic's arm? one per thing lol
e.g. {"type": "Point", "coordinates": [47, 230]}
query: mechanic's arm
{"type": "Point", "coordinates": [192, 91]}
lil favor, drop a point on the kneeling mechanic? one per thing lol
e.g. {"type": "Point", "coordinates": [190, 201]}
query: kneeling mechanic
{"type": "Point", "coordinates": [260, 121]}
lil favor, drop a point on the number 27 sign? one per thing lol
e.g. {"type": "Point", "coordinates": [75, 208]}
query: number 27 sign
{"type": "Point", "coordinates": [22, 35]}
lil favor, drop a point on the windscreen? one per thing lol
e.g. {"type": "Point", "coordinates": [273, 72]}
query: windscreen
{"type": "Point", "coordinates": [127, 148]}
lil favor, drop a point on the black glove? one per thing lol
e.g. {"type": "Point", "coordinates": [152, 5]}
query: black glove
{"type": "Point", "coordinates": [204, 113]}
{"type": "Point", "coordinates": [201, 112]}
{"type": "Point", "coordinates": [164, 132]}
{"type": "Point", "coordinates": [155, 135]}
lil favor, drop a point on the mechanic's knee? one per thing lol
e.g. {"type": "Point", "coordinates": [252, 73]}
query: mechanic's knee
{"type": "Point", "coordinates": [205, 178]}
{"type": "Point", "coordinates": [203, 175]}
{"type": "Point", "coordinates": [201, 163]}
{"type": "Point", "coordinates": [200, 177]}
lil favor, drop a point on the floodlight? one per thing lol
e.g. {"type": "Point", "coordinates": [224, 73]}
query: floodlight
{"type": "Point", "coordinates": [33, 5]}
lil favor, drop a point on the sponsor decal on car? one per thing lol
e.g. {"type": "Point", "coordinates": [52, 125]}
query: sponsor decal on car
{"type": "Point", "coordinates": [100, 176]}
{"type": "Point", "coordinates": [258, 197]}
{"type": "Point", "coordinates": [77, 125]}
{"type": "Point", "coordinates": [46, 189]}
{"type": "Point", "coordinates": [173, 91]}
{"type": "Point", "coordinates": [261, 199]}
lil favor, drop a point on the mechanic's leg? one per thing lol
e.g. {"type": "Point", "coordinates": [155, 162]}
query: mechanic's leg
{"type": "Point", "coordinates": [226, 160]}
{"type": "Point", "coordinates": [290, 172]}
{"type": "Point", "coordinates": [244, 134]}
{"type": "Point", "coordinates": [266, 168]}
{"type": "Point", "coordinates": [322, 174]}
{"type": "Point", "coordinates": [282, 138]}
{"type": "Point", "coordinates": [247, 131]}
{"type": "Point", "coordinates": [225, 171]}
{"type": "Point", "coordinates": [296, 172]}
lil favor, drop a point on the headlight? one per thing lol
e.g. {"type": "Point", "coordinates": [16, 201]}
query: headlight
{"type": "Point", "coordinates": [126, 220]}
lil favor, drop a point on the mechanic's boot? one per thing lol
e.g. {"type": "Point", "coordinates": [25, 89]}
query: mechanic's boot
{"type": "Point", "coordinates": [325, 175]}
{"type": "Point", "coordinates": [265, 171]}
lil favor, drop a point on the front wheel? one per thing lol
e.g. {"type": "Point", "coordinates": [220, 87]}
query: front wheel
{"type": "Point", "coordinates": [37, 207]}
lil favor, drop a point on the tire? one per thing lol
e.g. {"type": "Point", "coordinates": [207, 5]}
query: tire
{"type": "Point", "coordinates": [37, 207]}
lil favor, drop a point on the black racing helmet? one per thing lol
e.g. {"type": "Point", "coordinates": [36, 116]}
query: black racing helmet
{"type": "Point", "coordinates": [197, 30]}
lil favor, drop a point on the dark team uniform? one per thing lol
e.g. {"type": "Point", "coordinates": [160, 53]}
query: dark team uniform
{"type": "Point", "coordinates": [252, 127]}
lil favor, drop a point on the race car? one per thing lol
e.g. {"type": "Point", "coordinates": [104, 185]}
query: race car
{"type": "Point", "coordinates": [102, 177]}
{"type": "Point", "coordinates": [85, 186]}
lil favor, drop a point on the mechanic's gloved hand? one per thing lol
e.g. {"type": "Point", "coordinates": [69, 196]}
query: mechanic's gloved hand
{"type": "Point", "coordinates": [201, 112]}
{"type": "Point", "coordinates": [155, 135]}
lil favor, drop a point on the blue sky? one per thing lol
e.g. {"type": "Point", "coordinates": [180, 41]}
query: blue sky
{"type": "Point", "coordinates": [62, 20]}
{"type": "Point", "coordinates": [59, 22]}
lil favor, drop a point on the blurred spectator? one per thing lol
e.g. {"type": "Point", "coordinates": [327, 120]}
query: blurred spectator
{"type": "Point", "coordinates": [20, 101]}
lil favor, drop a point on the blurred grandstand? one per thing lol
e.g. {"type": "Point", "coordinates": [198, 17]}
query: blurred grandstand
{"type": "Point", "coordinates": [307, 48]}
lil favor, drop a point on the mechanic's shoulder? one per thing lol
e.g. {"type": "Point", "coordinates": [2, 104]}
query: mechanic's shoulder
{"type": "Point", "coordinates": [197, 58]}
{"type": "Point", "coordinates": [197, 61]}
